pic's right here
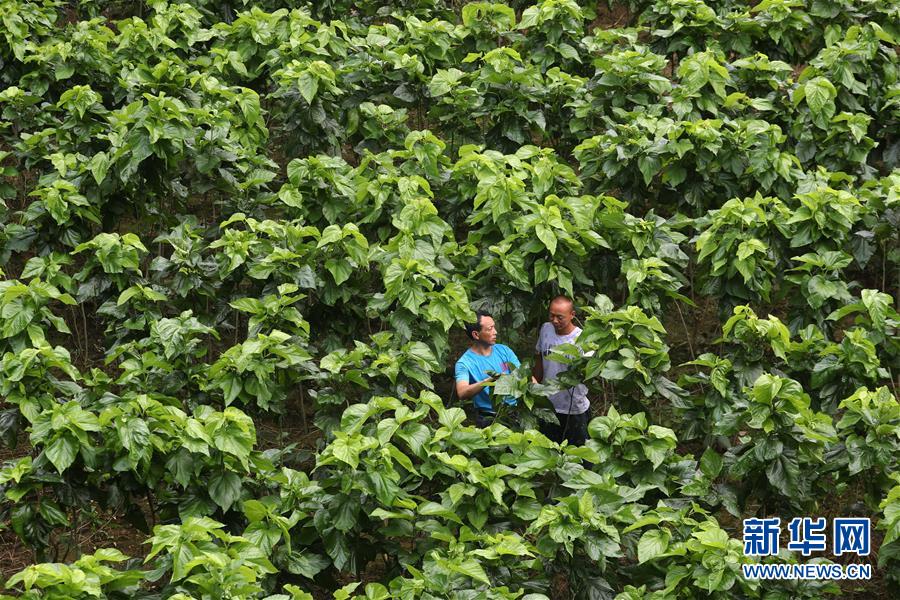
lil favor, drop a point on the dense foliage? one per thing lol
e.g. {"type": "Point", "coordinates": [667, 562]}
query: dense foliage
{"type": "Point", "coordinates": [223, 220]}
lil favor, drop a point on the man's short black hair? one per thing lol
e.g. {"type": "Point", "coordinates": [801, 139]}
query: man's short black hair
{"type": "Point", "coordinates": [471, 328]}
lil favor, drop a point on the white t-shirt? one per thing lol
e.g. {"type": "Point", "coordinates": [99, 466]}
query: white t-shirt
{"type": "Point", "coordinates": [573, 401]}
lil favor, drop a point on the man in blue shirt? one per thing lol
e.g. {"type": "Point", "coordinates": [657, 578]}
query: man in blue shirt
{"type": "Point", "coordinates": [484, 355]}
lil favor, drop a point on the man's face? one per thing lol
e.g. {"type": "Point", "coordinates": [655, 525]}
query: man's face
{"type": "Point", "coordinates": [488, 333]}
{"type": "Point", "coordinates": [561, 315]}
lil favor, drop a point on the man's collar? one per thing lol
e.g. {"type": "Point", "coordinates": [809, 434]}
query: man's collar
{"type": "Point", "coordinates": [490, 349]}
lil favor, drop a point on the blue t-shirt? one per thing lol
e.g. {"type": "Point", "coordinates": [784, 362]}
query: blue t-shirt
{"type": "Point", "coordinates": [471, 368]}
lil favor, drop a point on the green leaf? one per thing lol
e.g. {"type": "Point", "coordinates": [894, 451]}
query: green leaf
{"type": "Point", "coordinates": [133, 433]}
{"type": "Point", "coordinates": [306, 563]}
{"type": "Point", "coordinates": [385, 489]}
{"type": "Point", "coordinates": [376, 591]}
{"type": "Point", "coordinates": [784, 474]}
{"type": "Point", "coordinates": [231, 386]}
{"type": "Point", "coordinates": [656, 451]}
{"type": "Point", "coordinates": [878, 304]}
{"type": "Point", "coordinates": [344, 592]}
{"type": "Point", "coordinates": [337, 548]}
{"type": "Point", "coordinates": [16, 320]}
{"type": "Point", "coordinates": [712, 536]}
{"type": "Point", "coordinates": [820, 95]}
{"type": "Point", "coordinates": [62, 452]}
{"type": "Point", "coordinates": [339, 268]}
{"type": "Point", "coordinates": [308, 84]}
{"type": "Point", "coordinates": [711, 463]}
{"type": "Point", "coordinates": [452, 417]}
{"type": "Point", "coordinates": [248, 305]}
{"type": "Point", "coordinates": [330, 235]}
{"type": "Point", "coordinates": [345, 514]}
{"type": "Point", "coordinates": [674, 175]}
{"type": "Point", "coordinates": [433, 509]}
{"type": "Point", "coordinates": [653, 543]}
{"type": "Point", "coordinates": [766, 387]}
{"type": "Point", "coordinates": [346, 449]}
{"type": "Point", "coordinates": [547, 237]}
{"type": "Point", "coordinates": [98, 166]}
{"type": "Point", "coordinates": [649, 166]}
{"type": "Point", "coordinates": [181, 465]}
{"type": "Point", "coordinates": [416, 435]}
{"type": "Point", "coordinates": [614, 370]}
{"type": "Point", "coordinates": [290, 196]}
{"type": "Point", "coordinates": [225, 489]}
{"type": "Point", "coordinates": [471, 568]}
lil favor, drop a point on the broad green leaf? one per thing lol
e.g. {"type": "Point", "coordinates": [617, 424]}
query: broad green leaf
{"type": "Point", "coordinates": [653, 543]}
{"type": "Point", "coordinates": [306, 563]}
{"type": "Point", "coordinates": [711, 463]}
{"type": "Point", "coordinates": [225, 489]}
{"type": "Point", "coordinates": [62, 452]}
{"type": "Point", "coordinates": [820, 95]}
{"type": "Point", "coordinates": [339, 268]}
{"type": "Point", "coordinates": [471, 568]}
{"type": "Point", "coordinates": [547, 237]}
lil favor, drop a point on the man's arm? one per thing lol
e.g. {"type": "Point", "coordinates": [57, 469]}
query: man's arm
{"type": "Point", "coordinates": [466, 390]}
{"type": "Point", "coordinates": [537, 373]}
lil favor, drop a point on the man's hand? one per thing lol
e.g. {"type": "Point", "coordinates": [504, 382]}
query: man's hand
{"type": "Point", "coordinates": [466, 390]}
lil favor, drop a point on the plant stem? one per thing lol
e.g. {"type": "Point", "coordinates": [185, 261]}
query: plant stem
{"type": "Point", "coordinates": [303, 410]}
{"type": "Point", "coordinates": [151, 507]}
{"type": "Point", "coordinates": [84, 325]}
{"type": "Point", "coordinates": [687, 332]}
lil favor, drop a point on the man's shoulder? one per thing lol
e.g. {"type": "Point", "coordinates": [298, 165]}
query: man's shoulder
{"type": "Point", "coordinates": [464, 357]}
{"type": "Point", "coordinates": [543, 338]}
{"type": "Point", "coordinates": [504, 349]}
{"type": "Point", "coordinates": [545, 330]}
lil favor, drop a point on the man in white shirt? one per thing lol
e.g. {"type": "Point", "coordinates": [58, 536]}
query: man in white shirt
{"type": "Point", "coordinates": [571, 405]}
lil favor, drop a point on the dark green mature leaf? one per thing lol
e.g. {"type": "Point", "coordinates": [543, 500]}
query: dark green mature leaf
{"type": "Point", "coordinates": [711, 463]}
{"type": "Point", "coordinates": [784, 473]}
{"type": "Point", "coordinates": [306, 563]}
{"type": "Point", "coordinates": [225, 489]}
{"type": "Point", "coordinates": [9, 426]}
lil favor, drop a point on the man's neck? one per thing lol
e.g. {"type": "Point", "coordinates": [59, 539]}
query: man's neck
{"type": "Point", "coordinates": [482, 349]}
{"type": "Point", "coordinates": [567, 331]}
